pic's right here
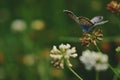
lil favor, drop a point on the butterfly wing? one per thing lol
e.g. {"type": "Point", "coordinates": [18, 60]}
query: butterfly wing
{"type": "Point", "coordinates": [71, 15]}
{"type": "Point", "coordinates": [85, 23]}
{"type": "Point", "coordinates": [98, 20]}
{"type": "Point", "coordinates": [100, 23]}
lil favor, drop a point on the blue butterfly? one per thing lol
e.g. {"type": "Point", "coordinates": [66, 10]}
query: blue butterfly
{"type": "Point", "coordinates": [86, 23]}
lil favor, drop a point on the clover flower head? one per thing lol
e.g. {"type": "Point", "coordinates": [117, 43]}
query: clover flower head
{"type": "Point", "coordinates": [55, 50]}
{"type": "Point", "coordinates": [63, 47]}
{"type": "Point", "coordinates": [18, 25]}
{"type": "Point", "coordinates": [113, 6]}
{"type": "Point", "coordinates": [88, 58]}
{"type": "Point", "coordinates": [61, 55]}
{"type": "Point", "coordinates": [88, 38]}
{"type": "Point", "coordinates": [102, 62]}
{"type": "Point", "coordinates": [95, 60]}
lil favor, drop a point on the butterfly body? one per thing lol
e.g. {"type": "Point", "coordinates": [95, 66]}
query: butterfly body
{"type": "Point", "coordinates": [86, 23]}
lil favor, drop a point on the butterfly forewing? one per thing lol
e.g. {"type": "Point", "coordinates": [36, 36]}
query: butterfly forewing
{"type": "Point", "coordinates": [72, 15]}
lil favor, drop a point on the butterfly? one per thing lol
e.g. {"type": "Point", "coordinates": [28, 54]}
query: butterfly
{"type": "Point", "coordinates": [86, 23]}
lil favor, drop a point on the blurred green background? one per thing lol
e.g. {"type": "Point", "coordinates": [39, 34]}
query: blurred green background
{"type": "Point", "coordinates": [29, 29]}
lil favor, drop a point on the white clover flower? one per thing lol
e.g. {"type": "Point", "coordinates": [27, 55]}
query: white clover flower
{"type": "Point", "coordinates": [102, 62]}
{"type": "Point", "coordinates": [55, 50]}
{"type": "Point", "coordinates": [95, 60]}
{"type": "Point", "coordinates": [63, 47]}
{"type": "Point", "coordinates": [88, 58]}
{"type": "Point", "coordinates": [62, 55]}
{"type": "Point", "coordinates": [18, 25]}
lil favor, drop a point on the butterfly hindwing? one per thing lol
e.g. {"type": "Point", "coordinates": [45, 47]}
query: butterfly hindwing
{"type": "Point", "coordinates": [85, 21]}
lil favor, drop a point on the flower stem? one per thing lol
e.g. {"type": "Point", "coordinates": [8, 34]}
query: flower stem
{"type": "Point", "coordinates": [97, 48]}
{"type": "Point", "coordinates": [75, 73]}
{"type": "Point", "coordinates": [97, 75]}
{"type": "Point", "coordinates": [111, 68]}
{"type": "Point", "coordinates": [116, 75]}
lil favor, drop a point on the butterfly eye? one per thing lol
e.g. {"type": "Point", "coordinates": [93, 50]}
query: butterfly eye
{"type": "Point", "coordinates": [100, 17]}
{"type": "Point", "coordinates": [95, 22]}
